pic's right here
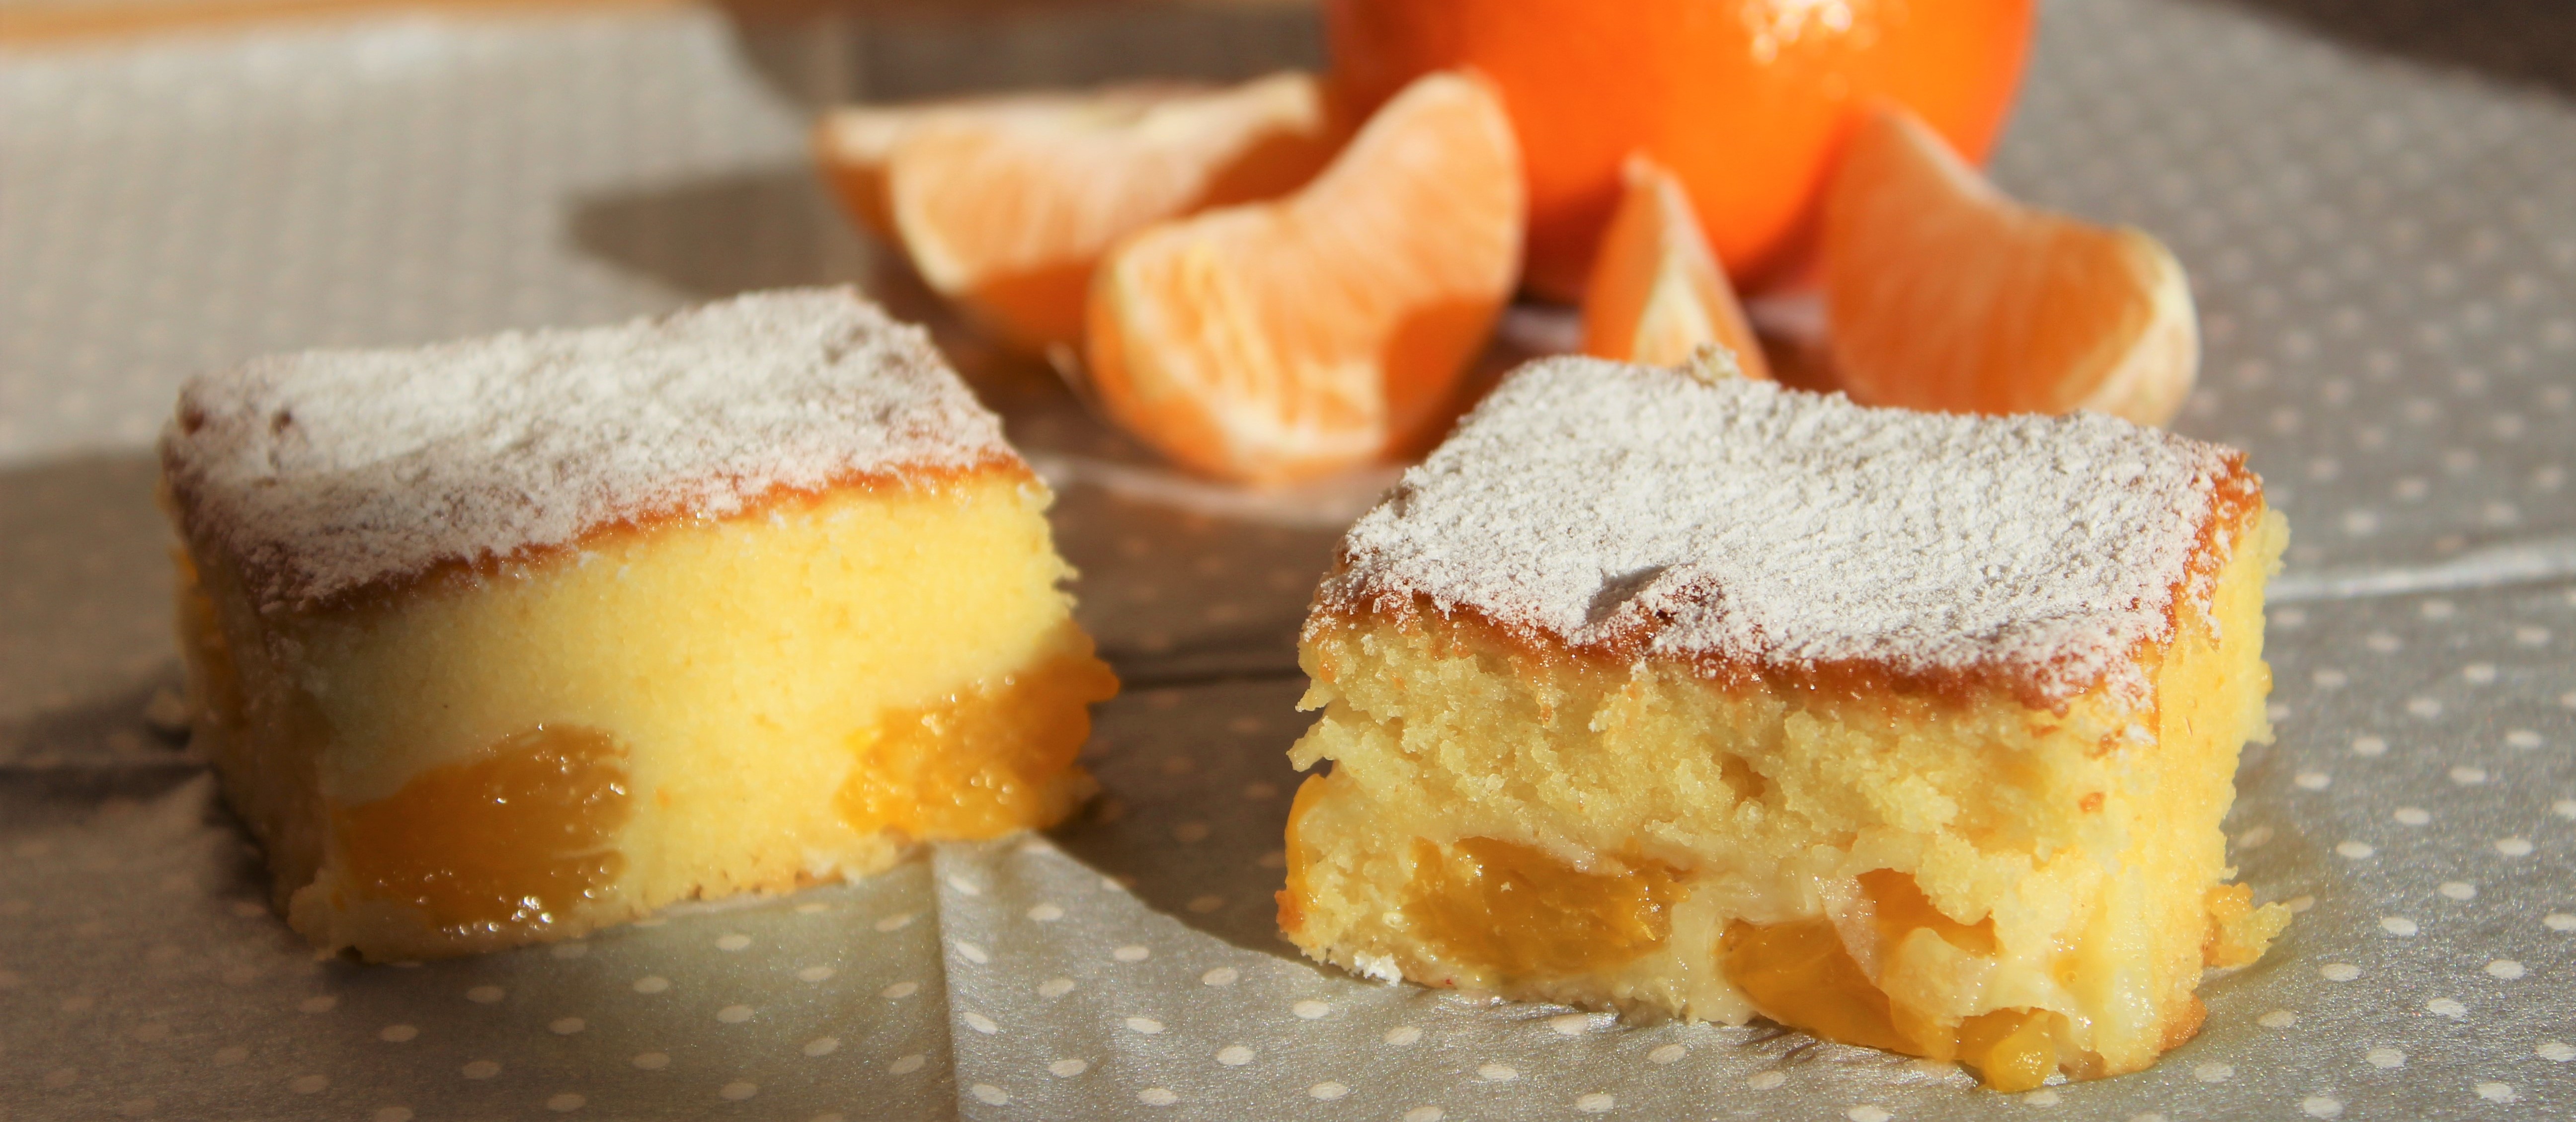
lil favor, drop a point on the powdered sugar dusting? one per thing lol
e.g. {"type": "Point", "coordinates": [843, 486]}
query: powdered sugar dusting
{"type": "Point", "coordinates": [1601, 504]}
{"type": "Point", "coordinates": [325, 472]}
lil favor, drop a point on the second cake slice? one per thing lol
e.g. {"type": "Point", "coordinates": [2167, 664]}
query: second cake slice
{"type": "Point", "coordinates": [1716, 699]}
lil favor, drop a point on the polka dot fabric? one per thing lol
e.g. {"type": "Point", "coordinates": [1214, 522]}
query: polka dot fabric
{"type": "Point", "coordinates": [2385, 258]}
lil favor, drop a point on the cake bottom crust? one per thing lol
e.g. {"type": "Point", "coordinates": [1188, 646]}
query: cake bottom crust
{"type": "Point", "coordinates": [2022, 891]}
{"type": "Point", "coordinates": [792, 697]}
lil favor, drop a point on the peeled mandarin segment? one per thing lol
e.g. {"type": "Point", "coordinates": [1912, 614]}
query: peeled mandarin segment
{"type": "Point", "coordinates": [1007, 212]}
{"type": "Point", "coordinates": [1280, 340]}
{"type": "Point", "coordinates": [852, 143]}
{"type": "Point", "coordinates": [1797, 973]}
{"type": "Point", "coordinates": [1656, 294]}
{"type": "Point", "coordinates": [981, 762]}
{"type": "Point", "coordinates": [1943, 294]}
{"type": "Point", "coordinates": [2012, 1049]}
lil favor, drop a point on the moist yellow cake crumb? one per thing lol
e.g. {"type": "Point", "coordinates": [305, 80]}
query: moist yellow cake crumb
{"type": "Point", "coordinates": [821, 622]}
{"type": "Point", "coordinates": [1722, 700]}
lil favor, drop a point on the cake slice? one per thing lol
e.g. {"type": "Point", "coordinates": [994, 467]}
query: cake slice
{"type": "Point", "coordinates": [505, 640]}
{"type": "Point", "coordinates": [1712, 699]}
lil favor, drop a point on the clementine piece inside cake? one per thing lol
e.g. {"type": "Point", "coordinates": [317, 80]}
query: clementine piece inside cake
{"type": "Point", "coordinates": [505, 640]}
{"type": "Point", "coordinates": [1713, 698]}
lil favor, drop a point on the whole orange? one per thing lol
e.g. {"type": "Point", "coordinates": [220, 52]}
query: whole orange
{"type": "Point", "coordinates": [1746, 100]}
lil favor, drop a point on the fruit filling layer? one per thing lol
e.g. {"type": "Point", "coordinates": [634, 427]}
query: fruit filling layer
{"type": "Point", "coordinates": [513, 841]}
{"type": "Point", "coordinates": [1496, 906]}
{"type": "Point", "coordinates": [980, 762]}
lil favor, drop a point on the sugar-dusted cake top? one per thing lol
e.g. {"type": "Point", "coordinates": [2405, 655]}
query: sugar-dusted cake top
{"type": "Point", "coordinates": [326, 472]}
{"type": "Point", "coordinates": [1640, 510]}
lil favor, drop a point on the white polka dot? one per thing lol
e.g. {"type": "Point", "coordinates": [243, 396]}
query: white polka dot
{"type": "Point", "coordinates": [1132, 953]}
{"type": "Point", "coordinates": [652, 984]}
{"type": "Point", "coordinates": [964, 886]}
{"type": "Point", "coordinates": [2468, 775]}
{"type": "Point", "coordinates": [894, 922]}
{"type": "Point", "coordinates": [566, 1026]}
{"type": "Point", "coordinates": [2506, 969]}
{"type": "Point", "coordinates": [2369, 746]}
{"type": "Point", "coordinates": [2555, 1051]}
{"type": "Point", "coordinates": [1570, 1024]}
{"type": "Point", "coordinates": [2564, 808]}
{"type": "Point", "coordinates": [565, 1103]}
{"type": "Point", "coordinates": [393, 1114]}
{"type": "Point", "coordinates": [652, 1061]}
{"type": "Point", "coordinates": [2329, 679]}
{"type": "Point", "coordinates": [899, 991]}
{"type": "Point", "coordinates": [1666, 1054]}
{"type": "Point", "coordinates": [2313, 780]}
{"type": "Point", "coordinates": [2397, 925]}
{"type": "Point", "coordinates": [822, 1046]}
{"type": "Point", "coordinates": [1190, 833]}
{"type": "Point", "coordinates": [2522, 738]}
{"type": "Point", "coordinates": [906, 1065]}
{"type": "Point", "coordinates": [1595, 1103]}
{"type": "Point", "coordinates": [2458, 889]}
{"type": "Point", "coordinates": [1234, 1055]}
{"type": "Point", "coordinates": [980, 1023]}
{"type": "Point", "coordinates": [989, 1094]}
{"type": "Point", "coordinates": [972, 953]}
{"type": "Point", "coordinates": [1046, 913]}
{"type": "Point", "coordinates": [309, 1084]}
{"type": "Point", "coordinates": [2514, 847]}
{"type": "Point", "coordinates": [1868, 1113]}
{"type": "Point", "coordinates": [1311, 1010]}
{"type": "Point", "coordinates": [2436, 609]}
{"type": "Point", "coordinates": [1157, 1096]}
{"type": "Point", "coordinates": [2353, 849]}
{"type": "Point", "coordinates": [1055, 987]}
{"type": "Point", "coordinates": [2479, 673]}
{"type": "Point", "coordinates": [1497, 1073]}
{"type": "Point", "coordinates": [1765, 1080]}
{"type": "Point", "coordinates": [2214, 1072]}
{"type": "Point", "coordinates": [481, 1069]}
{"type": "Point", "coordinates": [2278, 1018]}
{"type": "Point", "coordinates": [396, 1034]}
{"type": "Point", "coordinates": [734, 1014]}
{"type": "Point", "coordinates": [2041, 1097]}
{"type": "Point", "coordinates": [1221, 976]}
{"type": "Point", "coordinates": [2412, 816]}
{"type": "Point", "coordinates": [2254, 838]}
{"type": "Point", "coordinates": [2384, 1058]}
{"type": "Point", "coordinates": [816, 973]}
{"type": "Point", "coordinates": [2319, 1106]}
{"type": "Point", "coordinates": [1146, 1025]}
{"type": "Point", "coordinates": [2424, 707]}
{"type": "Point", "coordinates": [1205, 904]}
{"type": "Point", "coordinates": [2447, 1007]}
{"type": "Point", "coordinates": [1328, 1091]}
{"type": "Point", "coordinates": [2497, 1092]}
{"type": "Point", "coordinates": [813, 908]}
{"type": "Point", "coordinates": [733, 942]}
{"type": "Point", "coordinates": [2559, 921]}
{"type": "Point", "coordinates": [2339, 971]}
{"type": "Point", "coordinates": [1067, 1069]}
{"type": "Point", "coordinates": [738, 1090]}
{"type": "Point", "coordinates": [322, 1004]}
{"type": "Point", "coordinates": [2381, 642]}
{"type": "Point", "coordinates": [1425, 1114]}
{"type": "Point", "coordinates": [1402, 1035]}
{"type": "Point", "coordinates": [484, 995]}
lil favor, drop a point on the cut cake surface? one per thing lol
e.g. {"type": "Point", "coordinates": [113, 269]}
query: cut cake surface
{"type": "Point", "coordinates": [1716, 699]}
{"type": "Point", "coordinates": [740, 599]}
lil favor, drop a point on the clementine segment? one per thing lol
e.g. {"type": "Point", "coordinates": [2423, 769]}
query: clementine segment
{"type": "Point", "coordinates": [1005, 205]}
{"type": "Point", "coordinates": [1656, 295]}
{"type": "Point", "coordinates": [1278, 340]}
{"type": "Point", "coordinates": [1941, 293]}
{"type": "Point", "coordinates": [1745, 100]}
